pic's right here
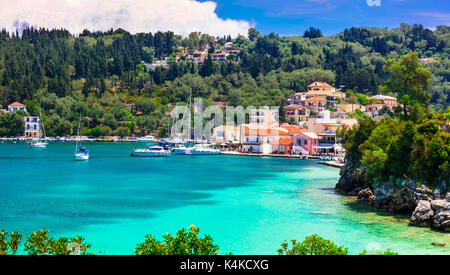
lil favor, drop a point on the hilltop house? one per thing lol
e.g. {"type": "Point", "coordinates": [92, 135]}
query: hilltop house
{"type": "Point", "coordinates": [296, 99]}
{"type": "Point", "coordinates": [219, 56]}
{"type": "Point", "coordinates": [316, 104]}
{"type": "Point", "coordinates": [325, 91]}
{"type": "Point", "coordinates": [16, 106]}
{"type": "Point", "coordinates": [296, 113]}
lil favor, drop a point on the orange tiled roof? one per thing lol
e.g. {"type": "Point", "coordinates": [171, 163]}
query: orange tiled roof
{"type": "Point", "coordinates": [316, 98]}
{"type": "Point", "coordinates": [320, 84]}
{"type": "Point", "coordinates": [16, 104]}
{"type": "Point", "coordinates": [265, 131]}
{"type": "Point", "coordinates": [295, 106]}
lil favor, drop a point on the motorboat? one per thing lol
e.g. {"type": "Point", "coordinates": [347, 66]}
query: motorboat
{"type": "Point", "coordinates": [147, 139]}
{"type": "Point", "coordinates": [155, 151]}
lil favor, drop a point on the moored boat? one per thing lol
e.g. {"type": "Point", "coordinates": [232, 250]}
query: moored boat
{"type": "Point", "coordinates": [147, 139]}
{"type": "Point", "coordinates": [155, 151]}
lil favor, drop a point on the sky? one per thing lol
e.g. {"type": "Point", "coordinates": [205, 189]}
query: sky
{"type": "Point", "coordinates": [221, 17]}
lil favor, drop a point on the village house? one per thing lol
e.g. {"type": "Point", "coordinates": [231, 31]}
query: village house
{"type": "Point", "coordinates": [32, 127]}
{"type": "Point", "coordinates": [219, 56]}
{"type": "Point", "coordinates": [328, 142]}
{"type": "Point", "coordinates": [296, 113]}
{"type": "Point", "coordinates": [351, 108]}
{"type": "Point", "coordinates": [385, 100]}
{"type": "Point", "coordinates": [226, 133]}
{"type": "Point", "coordinates": [262, 139]}
{"type": "Point", "coordinates": [16, 106]}
{"type": "Point", "coordinates": [325, 91]}
{"type": "Point", "coordinates": [296, 99]}
{"type": "Point", "coordinates": [264, 116]}
{"type": "Point", "coordinates": [305, 143]}
{"type": "Point", "coordinates": [292, 129]}
{"type": "Point", "coordinates": [316, 104]}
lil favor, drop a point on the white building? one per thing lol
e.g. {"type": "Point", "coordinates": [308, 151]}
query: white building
{"type": "Point", "coordinates": [16, 106]}
{"type": "Point", "coordinates": [32, 127]}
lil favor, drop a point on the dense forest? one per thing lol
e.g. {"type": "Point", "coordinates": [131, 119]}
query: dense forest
{"type": "Point", "coordinates": [103, 74]}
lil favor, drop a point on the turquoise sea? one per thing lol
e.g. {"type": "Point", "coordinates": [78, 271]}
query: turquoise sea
{"type": "Point", "coordinates": [249, 205]}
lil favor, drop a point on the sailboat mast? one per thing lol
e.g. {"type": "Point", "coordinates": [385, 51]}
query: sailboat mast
{"type": "Point", "coordinates": [42, 122]}
{"type": "Point", "coordinates": [78, 134]}
{"type": "Point", "coordinates": [190, 110]}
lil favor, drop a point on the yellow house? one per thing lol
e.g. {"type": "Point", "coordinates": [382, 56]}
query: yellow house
{"type": "Point", "coordinates": [296, 113]}
{"type": "Point", "coordinates": [351, 108]}
{"type": "Point", "coordinates": [326, 91]}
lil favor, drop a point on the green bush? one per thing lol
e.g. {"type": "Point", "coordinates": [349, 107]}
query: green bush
{"type": "Point", "coordinates": [185, 242]}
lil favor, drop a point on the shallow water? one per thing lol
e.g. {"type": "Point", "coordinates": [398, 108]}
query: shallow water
{"type": "Point", "coordinates": [248, 205]}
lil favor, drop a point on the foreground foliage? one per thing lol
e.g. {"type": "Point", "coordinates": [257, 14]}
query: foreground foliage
{"type": "Point", "coordinates": [316, 245]}
{"type": "Point", "coordinates": [185, 242]}
{"type": "Point", "coordinates": [40, 243]}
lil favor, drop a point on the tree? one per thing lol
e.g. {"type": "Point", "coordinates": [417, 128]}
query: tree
{"type": "Point", "coordinates": [312, 245]}
{"type": "Point", "coordinates": [40, 243]}
{"type": "Point", "coordinates": [122, 131]}
{"type": "Point", "coordinates": [185, 242]}
{"type": "Point", "coordinates": [9, 242]}
{"type": "Point", "coordinates": [410, 82]}
{"type": "Point", "coordinates": [312, 33]}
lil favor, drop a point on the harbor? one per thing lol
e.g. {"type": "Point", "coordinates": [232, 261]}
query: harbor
{"type": "Point", "coordinates": [235, 198]}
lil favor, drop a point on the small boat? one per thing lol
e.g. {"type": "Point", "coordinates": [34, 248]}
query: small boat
{"type": "Point", "coordinates": [155, 151]}
{"type": "Point", "coordinates": [203, 150]}
{"type": "Point", "coordinates": [82, 153]}
{"type": "Point", "coordinates": [147, 139]}
{"type": "Point", "coordinates": [182, 150]}
{"type": "Point", "coordinates": [39, 143]}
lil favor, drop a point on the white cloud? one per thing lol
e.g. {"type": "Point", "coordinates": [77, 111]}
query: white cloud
{"type": "Point", "coordinates": [179, 16]}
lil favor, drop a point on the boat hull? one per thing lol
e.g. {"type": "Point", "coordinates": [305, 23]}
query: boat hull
{"type": "Point", "coordinates": [81, 157]}
{"type": "Point", "coordinates": [39, 145]}
{"type": "Point", "coordinates": [151, 154]}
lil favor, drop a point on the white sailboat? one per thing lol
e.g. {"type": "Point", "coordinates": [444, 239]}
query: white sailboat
{"type": "Point", "coordinates": [40, 143]}
{"type": "Point", "coordinates": [81, 153]}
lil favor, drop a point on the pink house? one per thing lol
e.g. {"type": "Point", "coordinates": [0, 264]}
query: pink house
{"type": "Point", "coordinates": [305, 142]}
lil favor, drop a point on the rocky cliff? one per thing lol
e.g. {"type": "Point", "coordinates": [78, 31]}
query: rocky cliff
{"type": "Point", "coordinates": [427, 207]}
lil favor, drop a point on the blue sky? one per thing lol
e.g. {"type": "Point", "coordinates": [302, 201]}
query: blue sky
{"type": "Point", "coordinates": [292, 17]}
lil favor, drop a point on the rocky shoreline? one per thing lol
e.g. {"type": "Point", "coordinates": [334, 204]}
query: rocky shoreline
{"type": "Point", "coordinates": [427, 207]}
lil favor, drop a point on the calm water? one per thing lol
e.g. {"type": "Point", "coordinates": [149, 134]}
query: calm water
{"type": "Point", "coordinates": [249, 205]}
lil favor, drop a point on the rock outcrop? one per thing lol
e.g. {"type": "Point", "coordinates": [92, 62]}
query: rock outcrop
{"type": "Point", "coordinates": [423, 214]}
{"type": "Point", "coordinates": [365, 194]}
{"type": "Point", "coordinates": [428, 207]}
{"type": "Point", "coordinates": [352, 179]}
{"type": "Point", "coordinates": [401, 197]}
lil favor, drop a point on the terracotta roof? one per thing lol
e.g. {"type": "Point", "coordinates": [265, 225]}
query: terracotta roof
{"type": "Point", "coordinates": [316, 98]}
{"type": "Point", "coordinates": [309, 134]}
{"type": "Point", "coordinates": [257, 131]}
{"type": "Point", "coordinates": [294, 106]}
{"type": "Point", "coordinates": [293, 130]}
{"type": "Point", "coordinates": [320, 84]}
{"type": "Point", "coordinates": [16, 104]}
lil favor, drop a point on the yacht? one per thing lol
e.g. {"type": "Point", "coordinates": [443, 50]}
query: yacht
{"type": "Point", "coordinates": [155, 151]}
{"type": "Point", "coordinates": [81, 153]}
{"type": "Point", "coordinates": [202, 149]}
{"type": "Point", "coordinates": [147, 139]}
{"type": "Point", "coordinates": [39, 143]}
